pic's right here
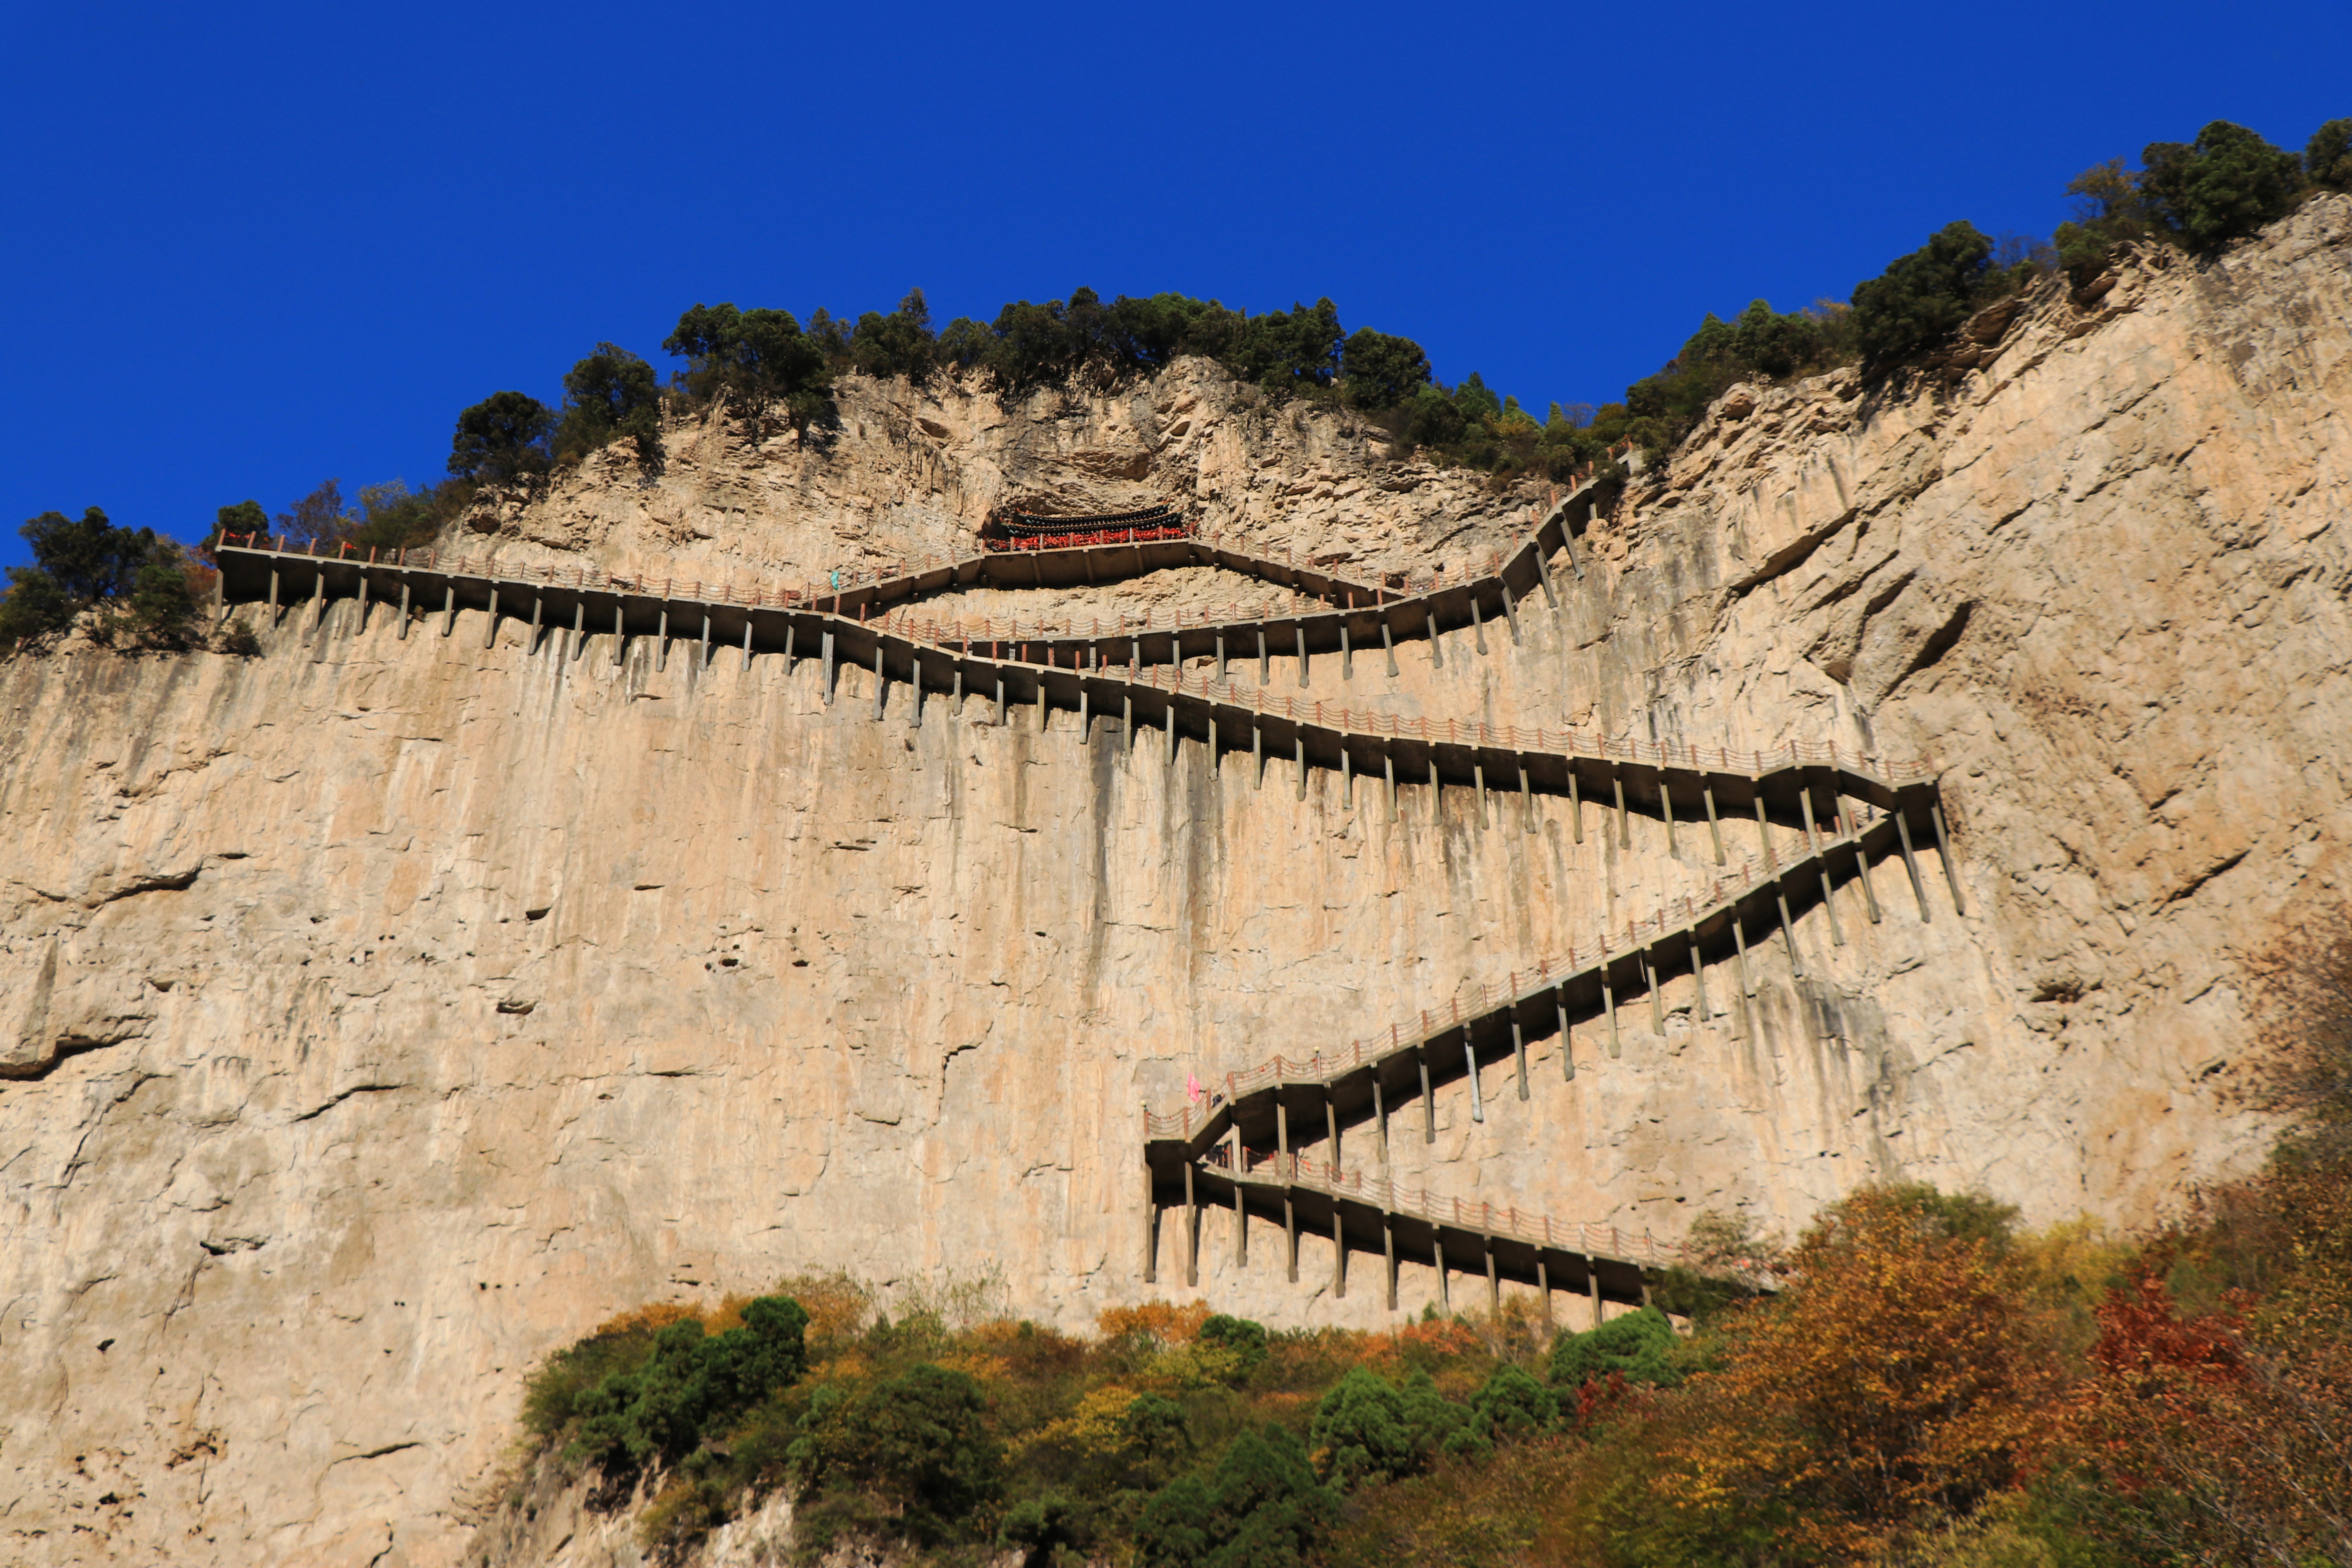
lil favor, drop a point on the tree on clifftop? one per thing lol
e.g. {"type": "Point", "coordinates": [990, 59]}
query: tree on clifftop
{"type": "Point", "coordinates": [502, 438]}
{"type": "Point", "coordinates": [2226, 184]}
{"type": "Point", "coordinates": [609, 394]}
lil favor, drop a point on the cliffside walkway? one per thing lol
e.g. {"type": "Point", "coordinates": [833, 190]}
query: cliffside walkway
{"type": "Point", "coordinates": [1127, 680]}
{"type": "Point", "coordinates": [1652, 777]}
{"type": "Point", "coordinates": [1368, 1214]}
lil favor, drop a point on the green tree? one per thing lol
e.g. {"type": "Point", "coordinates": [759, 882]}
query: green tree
{"type": "Point", "coordinates": [2225, 184]}
{"type": "Point", "coordinates": [246, 517]}
{"type": "Point", "coordinates": [1287, 349]}
{"type": "Point", "coordinates": [1242, 1339]}
{"type": "Point", "coordinates": [162, 609]}
{"type": "Point", "coordinates": [1370, 1429]}
{"type": "Point", "coordinates": [1639, 1345]}
{"type": "Point", "coordinates": [1263, 1508]}
{"type": "Point", "coordinates": [761, 358]}
{"type": "Point", "coordinates": [1381, 371]}
{"type": "Point", "coordinates": [610, 394]}
{"type": "Point", "coordinates": [921, 1439]}
{"type": "Point", "coordinates": [1510, 1404]}
{"type": "Point", "coordinates": [1921, 299]}
{"type": "Point", "coordinates": [2328, 156]}
{"type": "Point", "coordinates": [501, 438]}
{"type": "Point", "coordinates": [34, 607]}
{"type": "Point", "coordinates": [690, 1385]}
{"type": "Point", "coordinates": [90, 558]}
{"type": "Point", "coordinates": [900, 343]}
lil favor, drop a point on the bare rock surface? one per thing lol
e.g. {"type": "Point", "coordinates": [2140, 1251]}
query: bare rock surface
{"type": "Point", "coordinates": [377, 1015]}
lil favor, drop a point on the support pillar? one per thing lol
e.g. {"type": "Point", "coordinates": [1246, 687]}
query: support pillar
{"type": "Point", "coordinates": [661, 639]}
{"type": "Point", "coordinates": [1478, 782]}
{"type": "Point", "coordinates": [1714, 827]}
{"type": "Point", "coordinates": [1543, 1289]}
{"type": "Point", "coordinates": [703, 663]}
{"type": "Point", "coordinates": [880, 680]}
{"type": "Point", "coordinates": [747, 643]}
{"type": "Point", "coordinates": [1520, 1050]}
{"type": "Point", "coordinates": [404, 611]}
{"type": "Point", "coordinates": [1381, 1116]}
{"type": "Point", "coordinates": [1813, 847]}
{"type": "Point", "coordinates": [1911, 861]}
{"type": "Point", "coordinates": [1470, 1063]}
{"type": "Point", "coordinates": [1289, 1186]}
{"type": "Point", "coordinates": [1666, 809]}
{"type": "Point", "coordinates": [1527, 799]}
{"type": "Point", "coordinates": [1428, 1105]}
{"type": "Point", "coordinates": [1510, 612]}
{"type": "Point", "coordinates": [1347, 653]}
{"type": "Point", "coordinates": [1944, 853]}
{"type": "Point", "coordinates": [1436, 645]}
{"type": "Point", "coordinates": [620, 640]}
{"type": "Point", "coordinates": [535, 605]}
{"type": "Point", "coordinates": [1788, 930]}
{"type": "Point", "coordinates": [1592, 1285]}
{"type": "Point", "coordinates": [1388, 1254]}
{"type": "Point", "coordinates": [1388, 762]}
{"type": "Point", "coordinates": [1298, 752]}
{"type": "Point", "coordinates": [1221, 655]}
{"type": "Point", "coordinates": [1257, 755]}
{"type": "Point", "coordinates": [1698, 972]}
{"type": "Point", "coordinates": [1299, 635]}
{"type": "Point", "coordinates": [1657, 1007]}
{"type": "Point", "coordinates": [1478, 626]}
{"type": "Point", "coordinates": [829, 672]}
{"type": "Point", "coordinates": [1624, 822]}
{"type": "Point", "coordinates": [1609, 1006]}
{"type": "Point", "coordinates": [1436, 790]}
{"type": "Point", "coordinates": [578, 630]}
{"type": "Point", "coordinates": [1388, 645]}
{"type": "Point", "coordinates": [1347, 775]}
{"type": "Point", "coordinates": [1192, 1229]}
{"type": "Point", "coordinates": [1265, 661]}
{"type": "Point", "coordinates": [1445, 1286]}
{"type": "Point", "coordinates": [1493, 1282]}
{"type": "Point", "coordinates": [1575, 805]}
{"type": "Point", "coordinates": [1567, 1057]}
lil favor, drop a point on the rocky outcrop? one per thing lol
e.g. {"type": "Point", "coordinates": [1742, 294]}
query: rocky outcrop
{"type": "Point", "coordinates": [378, 1014]}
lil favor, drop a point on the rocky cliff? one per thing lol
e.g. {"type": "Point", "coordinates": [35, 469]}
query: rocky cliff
{"type": "Point", "coordinates": [379, 1013]}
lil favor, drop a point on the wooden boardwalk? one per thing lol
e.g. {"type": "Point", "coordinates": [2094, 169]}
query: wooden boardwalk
{"type": "Point", "coordinates": [1127, 685]}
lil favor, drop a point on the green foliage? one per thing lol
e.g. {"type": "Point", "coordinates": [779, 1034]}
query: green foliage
{"type": "Point", "coordinates": [162, 609]}
{"type": "Point", "coordinates": [246, 517]}
{"type": "Point", "coordinates": [920, 1440]}
{"type": "Point", "coordinates": [82, 561]}
{"type": "Point", "coordinates": [684, 1386]}
{"type": "Point", "coordinates": [1262, 1509]}
{"type": "Point", "coordinates": [1381, 371]}
{"type": "Point", "coordinates": [1369, 1428]}
{"type": "Point", "coordinates": [1511, 1406]}
{"type": "Point", "coordinates": [608, 396]}
{"type": "Point", "coordinates": [34, 607]}
{"type": "Point", "coordinates": [2328, 156]}
{"type": "Point", "coordinates": [2109, 211]}
{"type": "Point", "coordinates": [90, 558]}
{"type": "Point", "coordinates": [761, 358]}
{"type": "Point", "coordinates": [503, 438]}
{"type": "Point", "coordinates": [900, 343]}
{"type": "Point", "coordinates": [1288, 351]}
{"type": "Point", "coordinates": [1921, 299]}
{"type": "Point", "coordinates": [1242, 1339]}
{"type": "Point", "coordinates": [1638, 1346]}
{"type": "Point", "coordinates": [2225, 184]}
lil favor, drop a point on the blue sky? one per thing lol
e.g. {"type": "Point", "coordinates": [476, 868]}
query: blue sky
{"type": "Point", "coordinates": [249, 248]}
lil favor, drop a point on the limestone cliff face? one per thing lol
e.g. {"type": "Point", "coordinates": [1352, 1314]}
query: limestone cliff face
{"type": "Point", "coordinates": [379, 1014]}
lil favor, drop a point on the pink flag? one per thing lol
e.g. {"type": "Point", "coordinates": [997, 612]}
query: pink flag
{"type": "Point", "coordinates": [1193, 1089]}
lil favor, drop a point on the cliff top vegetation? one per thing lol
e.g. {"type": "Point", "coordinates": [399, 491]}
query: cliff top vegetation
{"type": "Point", "coordinates": [766, 363]}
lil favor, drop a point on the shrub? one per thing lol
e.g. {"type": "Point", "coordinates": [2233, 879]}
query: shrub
{"type": "Point", "coordinates": [1381, 371]}
{"type": "Point", "coordinates": [684, 1386]}
{"type": "Point", "coordinates": [1511, 1405]}
{"type": "Point", "coordinates": [759, 357]}
{"type": "Point", "coordinates": [1368, 1428]}
{"type": "Point", "coordinates": [609, 395]}
{"type": "Point", "coordinates": [2225, 184]}
{"type": "Point", "coordinates": [1263, 1508]}
{"type": "Point", "coordinates": [1638, 1346]}
{"type": "Point", "coordinates": [900, 343]}
{"type": "Point", "coordinates": [919, 1440]}
{"type": "Point", "coordinates": [501, 438]}
{"type": "Point", "coordinates": [2328, 156]}
{"type": "Point", "coordinates": [238, 641]}
{"type": "Point", "coordinates": [1921, 299]}
{"type": "Point", "coordinates": [247, 518]}
{"type": "Point", "coordinates": [162, 610]}
{"type": "Point", "coordinates": [141, 580]}
{"type": "Point", "coordinates": [34, 605]}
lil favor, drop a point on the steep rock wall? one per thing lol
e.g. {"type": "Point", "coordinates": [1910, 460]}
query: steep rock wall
{"type": "Point", "coordinates": [381, 1012]}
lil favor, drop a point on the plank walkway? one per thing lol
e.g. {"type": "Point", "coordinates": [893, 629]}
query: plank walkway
{"type": "Point", "coordinates": [1368, 1214]}
{"type": "Point", "coordinates": [1127, 681]}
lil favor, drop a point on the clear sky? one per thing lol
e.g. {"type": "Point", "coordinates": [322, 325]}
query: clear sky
{"type": "Point", "coordinates": [247, 248]}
